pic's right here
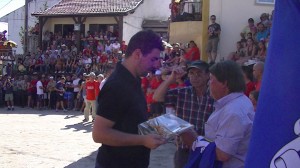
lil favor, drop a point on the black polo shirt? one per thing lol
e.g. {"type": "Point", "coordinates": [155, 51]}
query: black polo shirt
{"type": "Point", "coordinates": [122, 101]}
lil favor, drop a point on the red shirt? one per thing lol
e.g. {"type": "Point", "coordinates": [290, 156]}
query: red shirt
{"type": "Point", "coordinates": [257, 85]}
{"type": "Point", "coordinates": [196, 55]}
{"type": "Point", "coordinates": [90, 90]}
{"type": "Point", "coordinates": [250, 86]}
{"type": "Point", "coordinates": [145, 84]}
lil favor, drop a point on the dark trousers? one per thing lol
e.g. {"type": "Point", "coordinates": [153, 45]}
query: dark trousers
{"type": "Point", "coordinates": [52, 100]}
{"type": "Point", "coordinates": [181, 157]}
{"type": "Point", "coordinates": [22, 98]}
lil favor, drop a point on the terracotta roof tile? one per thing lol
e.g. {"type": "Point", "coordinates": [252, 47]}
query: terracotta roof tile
{"type": "Point", "coordinates": [84, 7]}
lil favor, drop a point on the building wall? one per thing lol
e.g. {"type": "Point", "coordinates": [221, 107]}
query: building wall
{"type": "Point", "coordinates": [150, 10]}
{"type": "Point", "coordinates": [184, 32]}
{"type": "Point", "coordinates": [233, 16]}
{"type": "Point", "coordinates": [16, 20]}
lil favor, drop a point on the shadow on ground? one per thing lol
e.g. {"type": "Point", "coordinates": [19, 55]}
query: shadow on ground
{"type": "Point", "coordinates": [86, 162]}
{"type": "Point", "coordinates": [82, 126]}
{"type": "Point", "coordinates": [19, 110]}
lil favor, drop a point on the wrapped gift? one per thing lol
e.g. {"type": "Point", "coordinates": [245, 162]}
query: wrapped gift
{"type": "Point", "coordinates": [167, 125]}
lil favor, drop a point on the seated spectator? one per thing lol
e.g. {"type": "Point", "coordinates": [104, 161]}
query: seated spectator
{"type": "Point", "coordinates": [262, 33]}
{"type": "Point", "coordinates": [250, 28]}
{"type": "Point", "coordinates": [251, 49]}
{"type": "Point", "coordinates": [262, 51]}
{"type": "Point", "coordinates": [238, 54]}
{"type": "Point", "coordinates": [193, 54]}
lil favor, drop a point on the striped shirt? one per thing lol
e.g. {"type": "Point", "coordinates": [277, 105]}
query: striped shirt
{"type": "Point", "coordinates": [190, 107]}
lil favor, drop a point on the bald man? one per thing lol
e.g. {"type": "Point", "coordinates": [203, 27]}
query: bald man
{"type": "Point", "coordinates": [258, 70]}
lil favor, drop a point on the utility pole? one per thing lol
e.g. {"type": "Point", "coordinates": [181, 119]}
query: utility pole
{"type": "Point", "coordinates": [26, 28]}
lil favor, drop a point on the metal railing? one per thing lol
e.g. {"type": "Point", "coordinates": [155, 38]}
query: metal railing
{"type": "Point", "coordinates": [188, 11]}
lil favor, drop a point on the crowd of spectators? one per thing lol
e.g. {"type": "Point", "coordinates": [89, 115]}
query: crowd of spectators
{"type": "Point", "coordinates": [254, 41]}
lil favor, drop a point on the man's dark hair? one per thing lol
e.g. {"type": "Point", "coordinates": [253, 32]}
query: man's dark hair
{"type": "Point", "coordinates": [146, 41]}
{"type": "Point", "coordinates": [230, 72]}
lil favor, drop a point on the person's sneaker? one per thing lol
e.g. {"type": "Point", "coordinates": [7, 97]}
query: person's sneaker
{"type": "Point", "coordinates": [8, 108]}
{"type": "Point", "coordinates": [85, 120]}
{"type": "Point", "coordinates": [65, 110]}
{"type": "Point", "coordinates": [12, 109]}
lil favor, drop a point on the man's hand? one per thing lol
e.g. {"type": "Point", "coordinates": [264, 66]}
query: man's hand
{"type": "Point", "coordinates": [153, 141]}
{"type": "Point", "coordinates": [189, 137]}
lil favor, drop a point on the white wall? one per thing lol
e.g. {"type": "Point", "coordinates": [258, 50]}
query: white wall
{"type": "Point", "coordinates": [16, 20]}
{"type": "Point", "coordinates": [150, 10]}
{"type": "Point", "coordinates": [233, 16]}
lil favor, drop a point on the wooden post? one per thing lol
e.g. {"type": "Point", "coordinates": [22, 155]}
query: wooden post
{"type": "Point", "coordinates": [205, 23]}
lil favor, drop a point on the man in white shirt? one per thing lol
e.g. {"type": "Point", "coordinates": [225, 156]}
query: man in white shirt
{"type": "Point", "coordinates": [76, 80]}
{"type": "Point", "coordinates": [39, 92]}
{"type": "Point", "coordinates": [116, 46]}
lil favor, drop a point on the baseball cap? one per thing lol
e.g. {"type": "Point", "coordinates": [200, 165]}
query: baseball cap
{"type": "Point", "coordinates": [92, 74]}
{"type": "Point", "coordinates": [199, 65]}
{"type": "Point", "coordinates": [101, 75]}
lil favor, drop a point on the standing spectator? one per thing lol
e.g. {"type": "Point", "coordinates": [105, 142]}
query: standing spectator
{"type": "Point", "coordinates": [22, 91]}
{"type": "Point", "coordinates": [115, 47]}
{"type": "Point", "coordinates": [248, 77]}
{"type": "Point", "coordinates": [69, 92]}
{"type": "Point", "coordinates": [230, 125]}
{"type": "Point", "coordinates": [1, 91]}
{"type": "Point", "coordinates": [253, 96]}
{"type": "Point", "coordinates": [51, 92]}
{"type": "Point", "coordinates": [119, 114]}
{"type": "Point", "coordinates": [90, 97]}
{"type": "Point", "coordinates": [45, 84]}
{"type": "Point", "coordinates": [39, 93]}
{"type": "Point", "coordinates": [76, 80]}
{"type": "Point", "coordinates": [214, 31]}
{"type": "Point", "coordinates": [9, 98]}
{"type": "Point", "coordinates": [59, 88]}
{"type": "Point", "coordinates": [193, 104]}
{"type": "Point", "coordinates": [156, 108]}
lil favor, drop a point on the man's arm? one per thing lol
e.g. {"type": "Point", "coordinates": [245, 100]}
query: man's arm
{"type": "Point", "coordinates": [160, 92]}
{"type": "Point", "coordinates": [104, 133]}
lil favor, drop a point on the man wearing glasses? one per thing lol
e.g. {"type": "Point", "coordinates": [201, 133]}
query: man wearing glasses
{"type": "Point", "coordinates": [214, 31]}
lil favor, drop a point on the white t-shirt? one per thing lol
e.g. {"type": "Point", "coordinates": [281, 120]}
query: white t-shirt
{"type": "Point", "coordinates": [75, 83]}
{"type": "Point", "coordinates": [38, 90]}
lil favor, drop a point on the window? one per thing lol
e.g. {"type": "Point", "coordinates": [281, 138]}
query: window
{"type": "Point", "coordinates": [265, 2]}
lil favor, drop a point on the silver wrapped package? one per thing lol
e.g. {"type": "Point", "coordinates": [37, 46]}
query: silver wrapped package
{"type": "Point", "coordinates": [167, 125]}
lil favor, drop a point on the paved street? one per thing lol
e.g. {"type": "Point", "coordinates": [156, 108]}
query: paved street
{"type": "Point", "coordinates": [49, 139]}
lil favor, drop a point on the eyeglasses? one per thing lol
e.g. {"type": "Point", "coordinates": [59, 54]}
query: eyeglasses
{"type": "Point", "coordinates": [195, 74]}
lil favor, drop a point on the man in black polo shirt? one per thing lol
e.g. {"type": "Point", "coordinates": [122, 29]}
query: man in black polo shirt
{"type": "Point", "coordinates": [122, 106]}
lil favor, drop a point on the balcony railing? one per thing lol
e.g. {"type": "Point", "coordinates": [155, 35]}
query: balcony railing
{"type": "Point", "coordinates": [188, 11]}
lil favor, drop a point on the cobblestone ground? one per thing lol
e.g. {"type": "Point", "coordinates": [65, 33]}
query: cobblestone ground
{"type": "Point", "coordinates": [49, 139]}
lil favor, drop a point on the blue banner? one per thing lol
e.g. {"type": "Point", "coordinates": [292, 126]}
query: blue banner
{"type": "Point", "coordinates": [275, 140]}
